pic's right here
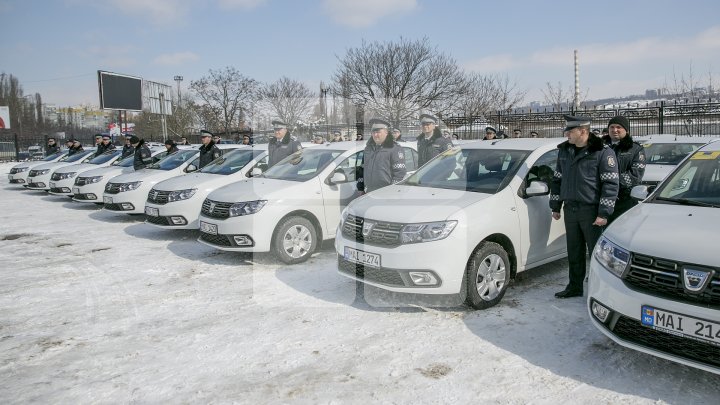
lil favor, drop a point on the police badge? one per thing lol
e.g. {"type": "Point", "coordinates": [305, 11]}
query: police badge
{"type": "Point", "coordinates": [611, 161]}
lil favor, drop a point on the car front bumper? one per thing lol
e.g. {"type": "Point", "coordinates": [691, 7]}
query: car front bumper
{"type": "Point", "coordinates": [172, 215]}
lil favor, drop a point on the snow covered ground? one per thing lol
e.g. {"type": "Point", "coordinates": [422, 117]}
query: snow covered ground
{"type": "Point", "coordinates": [97, 307]}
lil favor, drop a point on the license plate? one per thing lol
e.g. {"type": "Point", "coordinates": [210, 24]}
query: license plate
{"type": "Point", "coordinates": [107, 200]}
{"type": "Point", "coordinates": [76, 190]}
{"type": "Point", "coordinates": [208, 228]}
{"type": "Point", "coordinates": [681, 325]}
{"type": "Point", "coordinates": [358, 256]}
{"type": "Point", "coordinates": [52, 184]}
{"type": "Point", "coordinates": [153, 212]}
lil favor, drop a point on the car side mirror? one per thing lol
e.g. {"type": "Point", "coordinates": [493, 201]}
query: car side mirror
{"type": "Point", "coordinates": [256, 171]}
{"type": "Point", "coordinates": [536, 188]}
{"type": "Point", "coordinates": [408, 174]}
{"type": "Point", "coordinates": [190, 168]}
{"type": "Point", "coordinates": [639, 192]}
{"type": "Point", "coordinates": [338, 177]}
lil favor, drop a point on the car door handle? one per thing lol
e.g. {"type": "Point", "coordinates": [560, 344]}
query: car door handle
{"type": "Point", "coordinates": [513, 209]}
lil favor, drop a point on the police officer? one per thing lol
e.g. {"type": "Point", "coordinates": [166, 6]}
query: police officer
{"type": "Point", "coordinates": [183, 141]}
{"type": "Point", "coordinates": [430, 142]}
{"type": "Point", "coordinates": [52, 147]}
{"type": "Point", "coordinates": [75, 148]}
{"type": "Point", "coordinates": [630, 161]}
{"type": "Point", "coordinates": [490, 134]}
{"type": "Point", "coordinates": [98, 140]}
{"type": "Point", "coordinates": [337, 136]}
{"type": "Point", "coordinates": [397, 135]}
{"type": "Point", "coordinates": [585, 186]}
{"type": "Point", "coordinates": [105, 145]}
{"type": "Point", "coordinates": [170, 146]}
{"type": "Point", "coordinates": [208, 150]}
{"type": "Point", "coordinates": [383, 160]}
{"type": "Point", "coordinates": [142, 153]}
{"type": "Point", "coordinates": [246, 139]}
{"type": "Point", "coordinates": [127, 149]}
{"type": "Point", "coordinates": [282, 144]}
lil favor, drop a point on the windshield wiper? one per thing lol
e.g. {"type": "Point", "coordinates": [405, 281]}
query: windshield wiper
{"type": "Point", "coordinates": [685, 201]}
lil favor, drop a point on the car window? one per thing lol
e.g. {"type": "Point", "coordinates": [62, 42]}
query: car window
{"type": "Point", "coordinates": [231, 162]}
{"type": "Point", "coordinates": [104, 157]}
{"type": "Point", "coordinates": [303, 164]}
{"type": "Point", "coordinates": [668, 153]}
{"type": "Point", "coordinates": [351, 165]}
{"type": "Point", "coordinates": [410, 158]}
{"type": "Point", "coordinates": [174, 160]}
{"type": "Point", "coordinates": [53, 157]}
{"type": "Point", "coordinates": [262, 164]}
{"type": "Point", "coordinates": [697, 181]}
{"type": "Point", "coordinates": [543, 168]}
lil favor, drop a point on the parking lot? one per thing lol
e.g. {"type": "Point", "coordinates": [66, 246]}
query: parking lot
{"type": "Point", "coordinates": [100, 307]}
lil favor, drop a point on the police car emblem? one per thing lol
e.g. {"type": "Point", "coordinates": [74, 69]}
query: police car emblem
{"type": "Point", "coordinates": [212, 207]}
{"type": "Point", "coordinates": [367, 228]}
{"type": "Point", "coordinates": [155, 195]}
{"type": "Point", "coordinates": [611, 161]}
{"type": "Point", "coordinates": [695, 280]}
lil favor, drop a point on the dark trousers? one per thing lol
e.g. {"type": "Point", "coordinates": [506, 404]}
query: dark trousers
{"type": "Point", "coordinates": [623, 203]}
{"type": "Point", "coordinates": [581, 237]}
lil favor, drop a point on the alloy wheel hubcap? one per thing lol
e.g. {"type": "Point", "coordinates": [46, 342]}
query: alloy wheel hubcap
{"type": "Point", "coordinates": [490, 279]}
{"type": "Point", "coordinates": [297, 241]}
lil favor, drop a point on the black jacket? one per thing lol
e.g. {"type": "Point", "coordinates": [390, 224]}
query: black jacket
{"type": "Point", "coordinates": [208, 153]}
{"type": "Point", "coordinates": [51, 150]}
{"type": "Point", "coordinates": [172, 150]}
{"type": "Point", "coordinates": [102, 148]}
{"type": "Point", "coordinates": [127, 150]}
{"type": "Point", "coordinates": [142, 156]}
{"type": "Point", "coordinates": [631, 163]}
{"type": "Point", "coordinates": [590, 177]}
{"type": "Point", "coordinates": [429, 148]}
{"type": "Point", "coordinates": [279, 150]}
{"type": "Point", "coordinates": [383, 165]}
{"type": "Point", "coordinates": [73, 150]}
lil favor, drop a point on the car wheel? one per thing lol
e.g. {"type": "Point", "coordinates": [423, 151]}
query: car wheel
{"type": "Point", "coordinates": [487, 275]}
{"type": "Point", "coordinates": [295, 240]}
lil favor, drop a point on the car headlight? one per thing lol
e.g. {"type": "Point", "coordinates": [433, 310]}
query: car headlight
{"type": "Point", "coordinates": [43, 172]}
{"type": "Point", "coordinates": [21, 169]}
{"type": "Point", "coordinates": [426, 232]}
{"type": "Point", "coordinates": [63, 176]}
{"type": "Point", "coordinates": [611, 256]}
{"type": "Point", "coordinates": [246, 208]}
{"type": "Point", "coordinates": [181, 194]}
{"type": "Point", "coordinates": [93, 179]}
{"type": "Point", "coordinates": [129, 186]}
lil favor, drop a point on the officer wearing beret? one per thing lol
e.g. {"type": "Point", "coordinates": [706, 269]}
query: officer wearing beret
{"type": "Point", "coordinates": [282, 144]}
{"type": "Point", "coordinates": [585, 186]}
{"type": "Point", "coordinates": [208, 150]}
{"type": "Point", "coordinates": [430, 143]}
{"type": "Point", "coordinates": [383, 159]}
{"type": "Point", "coordinates": [630, 161]}
{"type": "Point", "coordinates": [52, 147]}
{"type": "Point", "coordinates": [142, 153]}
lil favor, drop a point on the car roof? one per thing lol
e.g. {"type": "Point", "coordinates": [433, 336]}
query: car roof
{"type": "Point", "coordinates": [671, 138]}
{"type": "Point", "coordinates": [528, 144]}
{"type": "Point", "coordinates": [712, 146]}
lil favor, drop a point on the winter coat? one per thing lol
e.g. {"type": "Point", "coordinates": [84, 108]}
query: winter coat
{"type": "Point", "coordinates": [590, 177]}
{"type": "Point", "coordinates": [279, 150]}
{"type": "Point", "coordinates": [142, 156]}
{"type": "Point", "coordinates": [73, 150]}
{"type": "Point", "coordinates": [51, 150]}
{"type": "Point", "coordinates": [631, 163]}
{"type": "Point", "coordinates": [172, 150]}
{"type": "Point", "coordinates": [429, 148]}
{"type": "Point", "coordinates": [127, 150]}
{"type": "Point", "coordinates": [102, 148]}
{"type": "Point", "coordinates": [383, 165]}
{"type": "Point", "coordinates": [208, 153]}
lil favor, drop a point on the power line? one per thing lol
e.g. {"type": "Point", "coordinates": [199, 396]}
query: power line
{"type": "Point", "coordinates": [59, 78]}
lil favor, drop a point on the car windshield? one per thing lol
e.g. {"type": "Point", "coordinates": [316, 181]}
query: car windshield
{"type": "Point", "coordinates": [232, 161]}
{"type": "Point", "coordinates": [173, 161]}
{"type": "Point", "coordinates": [78, 156]}
{"type": "Point", "coordinates": [477, 170]}
{"type": "Point", "coordinates": [696, 182]}
{"type": "Point", "coordinates": [127, 162]}
{"type": "Point", "coordinates": [668, 153]}
{"type": "Point", "coordinates": [53, 157]}
{"type": "Point", "coordinates": [105, 157]}
{"type": "Point", "coordinates": [303, 164]}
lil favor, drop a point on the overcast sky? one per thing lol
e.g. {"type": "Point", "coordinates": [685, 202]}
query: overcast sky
{"type": "Point", "coordinates": [55, 47]}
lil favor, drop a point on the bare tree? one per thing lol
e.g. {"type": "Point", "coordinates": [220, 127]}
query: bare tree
{"type": "Point", "coordinates": [223, 95]}
{"type": "Point", "coordinates": [290, 100]}
{"type": "Point", "coordinates": [399, 79]}
{"type": "Point", "coordinates": [557, 96]}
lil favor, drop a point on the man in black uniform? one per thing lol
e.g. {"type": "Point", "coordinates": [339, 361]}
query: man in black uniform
{"type": "Point", "coordinates": [282, 144]}
{"type": "Point", "coordinates": [184, 141]}
{"type": "Point", "coordinates": [430, 142]}
{"type": "Point", "coordinates": [383, 159]}
{"type": "Point", "coordinates": [208, 151]}
{"type": "Point", "coordinates": [490, 134]}
{"type": "Point", "coordinates": [52, 147]}
{"type": "Point", "coordinates": [98, 141]}
{"type": "Point", "coordinates": [630, 160]}
{"type": "Point", "coordinates": [105, 145]}
{"type": "Point", "coordinates": [75, 148]}
{"type": "Point", "coordinates": [127, 149]}
{"type": "Point", "coordinates": [171, 147]}
{"type": "Point", "coordinates": [585, 185]}
{"type": "Point", "coordinates": [142, 153]}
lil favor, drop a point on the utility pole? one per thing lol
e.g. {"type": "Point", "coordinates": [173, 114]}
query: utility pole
{"type": "Point", "coordinates": [178, 79]}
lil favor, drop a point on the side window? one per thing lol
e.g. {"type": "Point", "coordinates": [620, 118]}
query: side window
{"type": "Point", "coordinates": [350, 166]}
{"type": "Point", "coordinates": [410, 159]}
{"type": "Point", "coordinates": [543, 168]}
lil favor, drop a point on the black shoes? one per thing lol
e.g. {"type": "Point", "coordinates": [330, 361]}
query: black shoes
{"type": "Point", "coordinates": [568, 293]}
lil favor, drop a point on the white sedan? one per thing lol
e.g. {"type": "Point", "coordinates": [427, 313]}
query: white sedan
{"type": "Point", "coordinates": [62, 179]}
{"type": "Point", "coordinates": [39, 176]}
{"type": "Point", "coordinates": [19, 172]}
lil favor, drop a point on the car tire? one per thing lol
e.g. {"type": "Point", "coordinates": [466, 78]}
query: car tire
{"type": "Point", "coordinates": [487, 275]}
{"type": "Point", "coordinates": [295, 240]}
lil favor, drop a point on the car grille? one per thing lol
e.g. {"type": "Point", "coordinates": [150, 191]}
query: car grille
{"type": "Point", "coordinates": [55, 176]}
{"type": "Point", "coordinates": [383, 276]}
{"type": "Point", "coordinates": [663, 278]}
{"type": "Point", "coordinates": [158, 197]}
{"type": "Point", "coordinates": [383, 233]}
{"type": "Point", "coordinates": [158, 220]}
{"type": "Point", "coordinates": [112, 188]}
{"type": "Point", "coordinates": [632, 330]}
{"type": "Point", "coordinates": [81, 181]}
{"type": "Point", "coordinates": [113, 207]}
{"type": "Point", "coordinates": [219, 209]}
{"type": "Point", "coordinates": [219, 240]}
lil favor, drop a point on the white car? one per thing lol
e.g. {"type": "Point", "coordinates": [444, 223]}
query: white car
{"type": "Point", "coordinates": [62, 179]}
{"type": "Point", "coordinates": [128, 192]}
{"type": "Point", "coordinates": [461, 226]}
{"type": "Point", "coordinates": [664, 152]}
{"type": "Point", "coordinates": [19, 172]}
{"type": "Point", "coordinates": [89, 186]}
{"type": "Point", "coordinates": [39, 176]}
{"type": "Point", "coordinates": [175, 203]}
{"type": "Point", "coordinates": [292, 207]}
{"type": "Point", "coordinates": [654, 281]}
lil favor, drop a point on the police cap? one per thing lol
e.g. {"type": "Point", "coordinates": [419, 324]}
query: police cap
{"type": "Point", "coordinates": [277, 124]}
{"type": "Point", "coordinates": [428, 119]}
{"type": "Point", "coordinates": [378, 123]}
{"type": "Point", "coordinates": [573, 121]}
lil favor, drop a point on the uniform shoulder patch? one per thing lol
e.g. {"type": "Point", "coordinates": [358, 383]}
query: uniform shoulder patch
{"type": "Point", "coordinates": [642, 157]}
{"type": "Point", "coordinates": [611, 161]}
{"type": "Point", "coordinates": [401, 155]}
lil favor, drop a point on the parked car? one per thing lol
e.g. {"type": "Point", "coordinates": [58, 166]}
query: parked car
{"type": "Point", "coordinates": [90, 186]}
{"type": "Point", "coordinates": [19, 173]}
{"type": "Point", "coordinates": [654, 281]}
{"type": "Point", "coordinates": [62, 179]}
{"type": "Point", "coordinates": [290, 208]}
{"type": "Point", "coordinates": [128, 192]}
{"type": "Point", "coordinates": [664, 152]}
{"type": "Point", "coordinates": [39, 176]}
{"type": "Point", "coordinates": [462, 226]}
{"type": "Point", "coordinates": [176, 202]}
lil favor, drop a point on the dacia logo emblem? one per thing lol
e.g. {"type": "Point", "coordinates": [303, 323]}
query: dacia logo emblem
{"type": "Point", "coordinates": [695, 280]}
{"type": "Point", "coordinates": [367, 228]}
{"type": "Point", "coordinates": [212, 206]}
{"type": "Point", "coordinates": [155, 194]}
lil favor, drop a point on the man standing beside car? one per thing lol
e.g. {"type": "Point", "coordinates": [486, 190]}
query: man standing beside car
{"type": "Point", "coordinates": [630, 161]}
{"type": "Point", "coordinates": [282, 144]}
{"type": "Point", "coordinates": [127, 149]}
{"type": "Point", "coordinates": [52, 147]}
{"type": "Point", "coordinates": [208, 151]}
{"type": "Point", "coordinates": [142, 153]}
{"type": "Point", "coordinates": [585, 186]}
{"type": "Point", "coordinates": [105, 145]}
{"type": "Point", "coordinates": [383, 159]}
{"type": "Point", "coordinates": [430, 142]}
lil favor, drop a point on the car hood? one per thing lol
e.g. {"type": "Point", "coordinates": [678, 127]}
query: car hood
{"type": "Point", "coordinates": [657, 172]}
{"type": "Point", "coordinates": [261, 188]}
{"type": "Point", "coordinates": [29, 164]}
{"type": "Point", "coordinates": [676, 232]}
{"type": "Point", "coordinates": [76, 168]}
{"type": "Point", "coordinates": [107, 171]}
{"type": "Point", "coordinates": [409, 204]}
{"type": "Point", "coordinates": [146, 175]}
{"type": "Point", "coordinates": [54, 165]}
{"type": "Point", "coordinates": [205, 181]}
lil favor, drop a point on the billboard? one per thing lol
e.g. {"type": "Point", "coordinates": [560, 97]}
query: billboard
{"type": "Point", "coordinates": [119, 92]}
{"type": "Point", "coordinates": [4, 117]}
{"type": "Point", "coordinates": [157, 97]}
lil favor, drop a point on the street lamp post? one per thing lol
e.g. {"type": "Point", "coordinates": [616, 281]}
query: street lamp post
{"type": "Point", "coordinates": [323, 95]}
{"type": "Point", "coordinates": [178, 79]}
